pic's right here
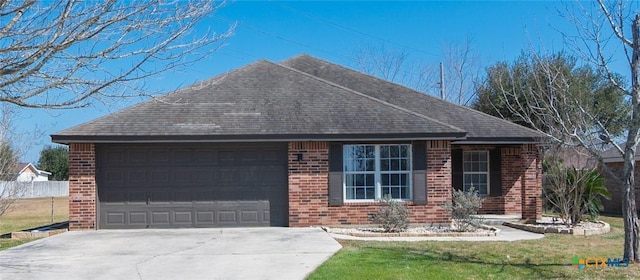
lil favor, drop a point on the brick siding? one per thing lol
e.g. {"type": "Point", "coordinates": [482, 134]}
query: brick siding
{"type": "Point", "coordinates": [309, 193]}
{"type": "Point", "coordinates": [531, 183]}
{"type": "Point", "coordinates": [614, 205]}
{"type": "Point", "coordinates": [309, 188]}
{"type": "Point", "coordinates": [511, 199]}
{"type": "Point", "coordinates": [82, 186]}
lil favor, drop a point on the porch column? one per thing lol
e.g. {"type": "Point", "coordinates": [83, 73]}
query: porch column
{"type": "Point", "coordinates": [531, 183]}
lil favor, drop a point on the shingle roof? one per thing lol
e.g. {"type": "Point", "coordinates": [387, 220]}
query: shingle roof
{"type": "Point", "coordinates": [303, 98]}
{"type": "Point", "coordinates": [479, 126]}
{"type": "Point", "coordinates": [612, 154]}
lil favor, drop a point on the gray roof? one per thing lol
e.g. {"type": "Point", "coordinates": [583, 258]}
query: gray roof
{"type": "Point", "coordinates": [479, 126]}
{"type": "Point", "coordinates": [303, 98]}
{"type": "Point", "coordinates": [612, 154]}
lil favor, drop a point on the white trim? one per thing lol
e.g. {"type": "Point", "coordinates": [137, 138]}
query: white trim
{"type": "Point", "coordinates": [377, 173]}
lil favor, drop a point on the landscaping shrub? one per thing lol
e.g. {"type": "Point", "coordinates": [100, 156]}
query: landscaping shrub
{"type": "Point", "coordinates": [464, 209]}
{"type": "Point", "coordinates": [393, 215]}
{"type": "Point", "coordinates": [575, 192]}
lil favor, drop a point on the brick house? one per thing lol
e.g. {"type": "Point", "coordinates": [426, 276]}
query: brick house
{"type": "Point", "coordinates": [614, 161]}
{"type": "Point", "coordinates": [298, 143]}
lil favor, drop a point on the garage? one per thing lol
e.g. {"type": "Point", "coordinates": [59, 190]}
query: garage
{"type": "Point", "coordinates": [191, 185]}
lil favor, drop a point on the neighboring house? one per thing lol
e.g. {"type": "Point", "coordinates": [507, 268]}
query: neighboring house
{"type": "Point", "coordinates": [27, 172]}
{"type": "Point", "coordinates": [614, 161]}
{"type": "Point", "coordinates": [299, 143]}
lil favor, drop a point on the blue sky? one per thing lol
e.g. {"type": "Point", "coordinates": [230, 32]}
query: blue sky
{"type": "Point", "coordinates": [335, 31]}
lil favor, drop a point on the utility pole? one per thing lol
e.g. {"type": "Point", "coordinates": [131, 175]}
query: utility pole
{"type": "Point", "coordinates": [442, 81]}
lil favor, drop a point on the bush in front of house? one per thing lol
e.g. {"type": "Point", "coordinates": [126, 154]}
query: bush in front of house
{"type": "Point", "coordinates": [464, 209]}
{"type": "Point", "coordinates": [573, 193]}
{"type": "Point", "coordinates": [393, 215]}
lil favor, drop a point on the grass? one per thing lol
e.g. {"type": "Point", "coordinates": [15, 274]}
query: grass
{"type": "Point", "coordinates": [550, 257]}
{"type": "Point", "coordinates": [30, 213]}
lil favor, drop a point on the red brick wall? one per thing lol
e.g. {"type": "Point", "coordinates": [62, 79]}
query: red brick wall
{"type": "Point", "coordinates": [614, 205]}
{"type": "Point", "coordinates": [309, 190]}
{"type": "Point", "coordinates": [82, 186]}
{"type": "Point", "coordinates": [308, 183]}
{"type": "Point", "coordinates": [509, 202]}
{"type": "Point", "coordinates": [531, 183]}
{"type": "Point", "coordinates": [520, 167]}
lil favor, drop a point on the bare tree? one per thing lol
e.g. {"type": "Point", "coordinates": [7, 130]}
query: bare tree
{"type": "Point", "coordinates": [10, 189]}
{"type": "Point", "coordinates": [386, 63]}
{"type": "Point", "coordinates": [571, 122]}
{"type": "Point", "coordinates": [461, 69]}
{"type": "Point", "coordinates": [67, 53]}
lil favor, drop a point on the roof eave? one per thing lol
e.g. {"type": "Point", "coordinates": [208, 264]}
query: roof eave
{"type": "Point", "coordinates": [498, 141]}
{"type": "Point", "coordinates": [66, 139]}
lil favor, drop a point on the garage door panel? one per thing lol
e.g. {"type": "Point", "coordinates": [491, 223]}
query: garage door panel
{"type": "Point", "coordinates": [159, 217]}
{"type": "Point", "coordinates": [160, 157]}
{"type": "Point", "coordinates": [204, 218]}
{"type": "Point", "coordinates": [138, 218]}
{"type": "Point", "coordinates": [183, 217]}
{"type": "Point", "coordinates": [114, 197]}
{"type": "Point", "coordinates": [187, 185]}
{"type": "Point", "coordinates": [115, 218]}
{"type": "Point", "coordinates": [137, 157]}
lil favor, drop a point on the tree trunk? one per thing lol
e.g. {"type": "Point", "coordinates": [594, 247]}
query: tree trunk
{"type": "Point", "coordinates": [629, 211]}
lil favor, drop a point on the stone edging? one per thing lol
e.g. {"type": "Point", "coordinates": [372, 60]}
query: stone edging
{"type": "Point", "coordinates": [547, 229]}
{"type": "Point", "coordinates": [494, 232]}
{"type": "Point", "coordinates": [35, 234]}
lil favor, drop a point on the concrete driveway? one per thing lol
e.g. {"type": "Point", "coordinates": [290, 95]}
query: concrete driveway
{"type": "Point", "coordinates": [235, 253]}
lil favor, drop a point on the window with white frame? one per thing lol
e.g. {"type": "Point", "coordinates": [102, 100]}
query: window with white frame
{"type": "Point", "coordinates": [372, 171]}
{"type": "Point", "coordinates": [476, 171]}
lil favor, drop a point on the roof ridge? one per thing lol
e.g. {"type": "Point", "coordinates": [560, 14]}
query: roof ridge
{"type": "Point", "coordinates": [416, 91]}
{"type": "Point", "coordinates": [369, 97]}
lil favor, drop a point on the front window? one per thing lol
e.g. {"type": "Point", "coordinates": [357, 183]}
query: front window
{"type": "Point", "coordinates": [373, 171]}
{"type": "Point", "coordinates": [476, 171]}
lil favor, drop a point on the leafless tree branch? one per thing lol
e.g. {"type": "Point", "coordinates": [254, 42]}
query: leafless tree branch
{"type": "Point", "coordinates": [67, 53]}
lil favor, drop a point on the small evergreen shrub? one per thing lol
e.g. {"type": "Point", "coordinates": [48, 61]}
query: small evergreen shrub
{"type": "Point", "coordinates": [464, 209]}
{"type": "Point", "coordinates": [393, 215]}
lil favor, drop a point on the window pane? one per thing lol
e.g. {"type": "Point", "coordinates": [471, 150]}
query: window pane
{"type": "Point", "coordinates": [349, 194]}
{"type": "Point", "coordinates": [395, 164]}
{"type": "Point", "coordinates": [483, 189]}
{"type": "Point", "coordinates": [385, 164]}
{"type": "Point", "coordinates": [385, 191]}
{"type": "Point", "coordinates": [395, 179]}
{"type": "Point", "coordinates": [395, 151]}
{"type": "Point", "coordinates": [370, 179]}
{"type": "Point", "coordinates": [404, 165]}
{"type": "Point", "coordinates": [371, 193]}
{"type": "Point", "coordinates": [385, 179]}
{"type": "Point", "coordinates": [404, 151]}
{"type": "Point", "coordinates": [467, 166]}
{"type": "Point", "coordinates": [371, 165]}
{"type": "Point", "coordinates": [395, 193]}
{"type": "Point", "coordinates": [482, 166]}
{"type": "Point", "coordinates": [482, 156]}
{"type": "Point", "coordinates": [384, 151]}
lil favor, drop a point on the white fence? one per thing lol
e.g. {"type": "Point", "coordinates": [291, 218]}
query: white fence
{"type": "Point", "coordinates": [35, 189]}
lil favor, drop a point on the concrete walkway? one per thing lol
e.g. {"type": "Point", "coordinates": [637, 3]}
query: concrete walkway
{"type": "Point", "coordinates": [504, 234]}
{"type": "Point", "coordinates": [215, 253]}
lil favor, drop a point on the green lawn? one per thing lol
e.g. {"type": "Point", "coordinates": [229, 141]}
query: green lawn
{"type": "Point", "coordinates": [550, 257]}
